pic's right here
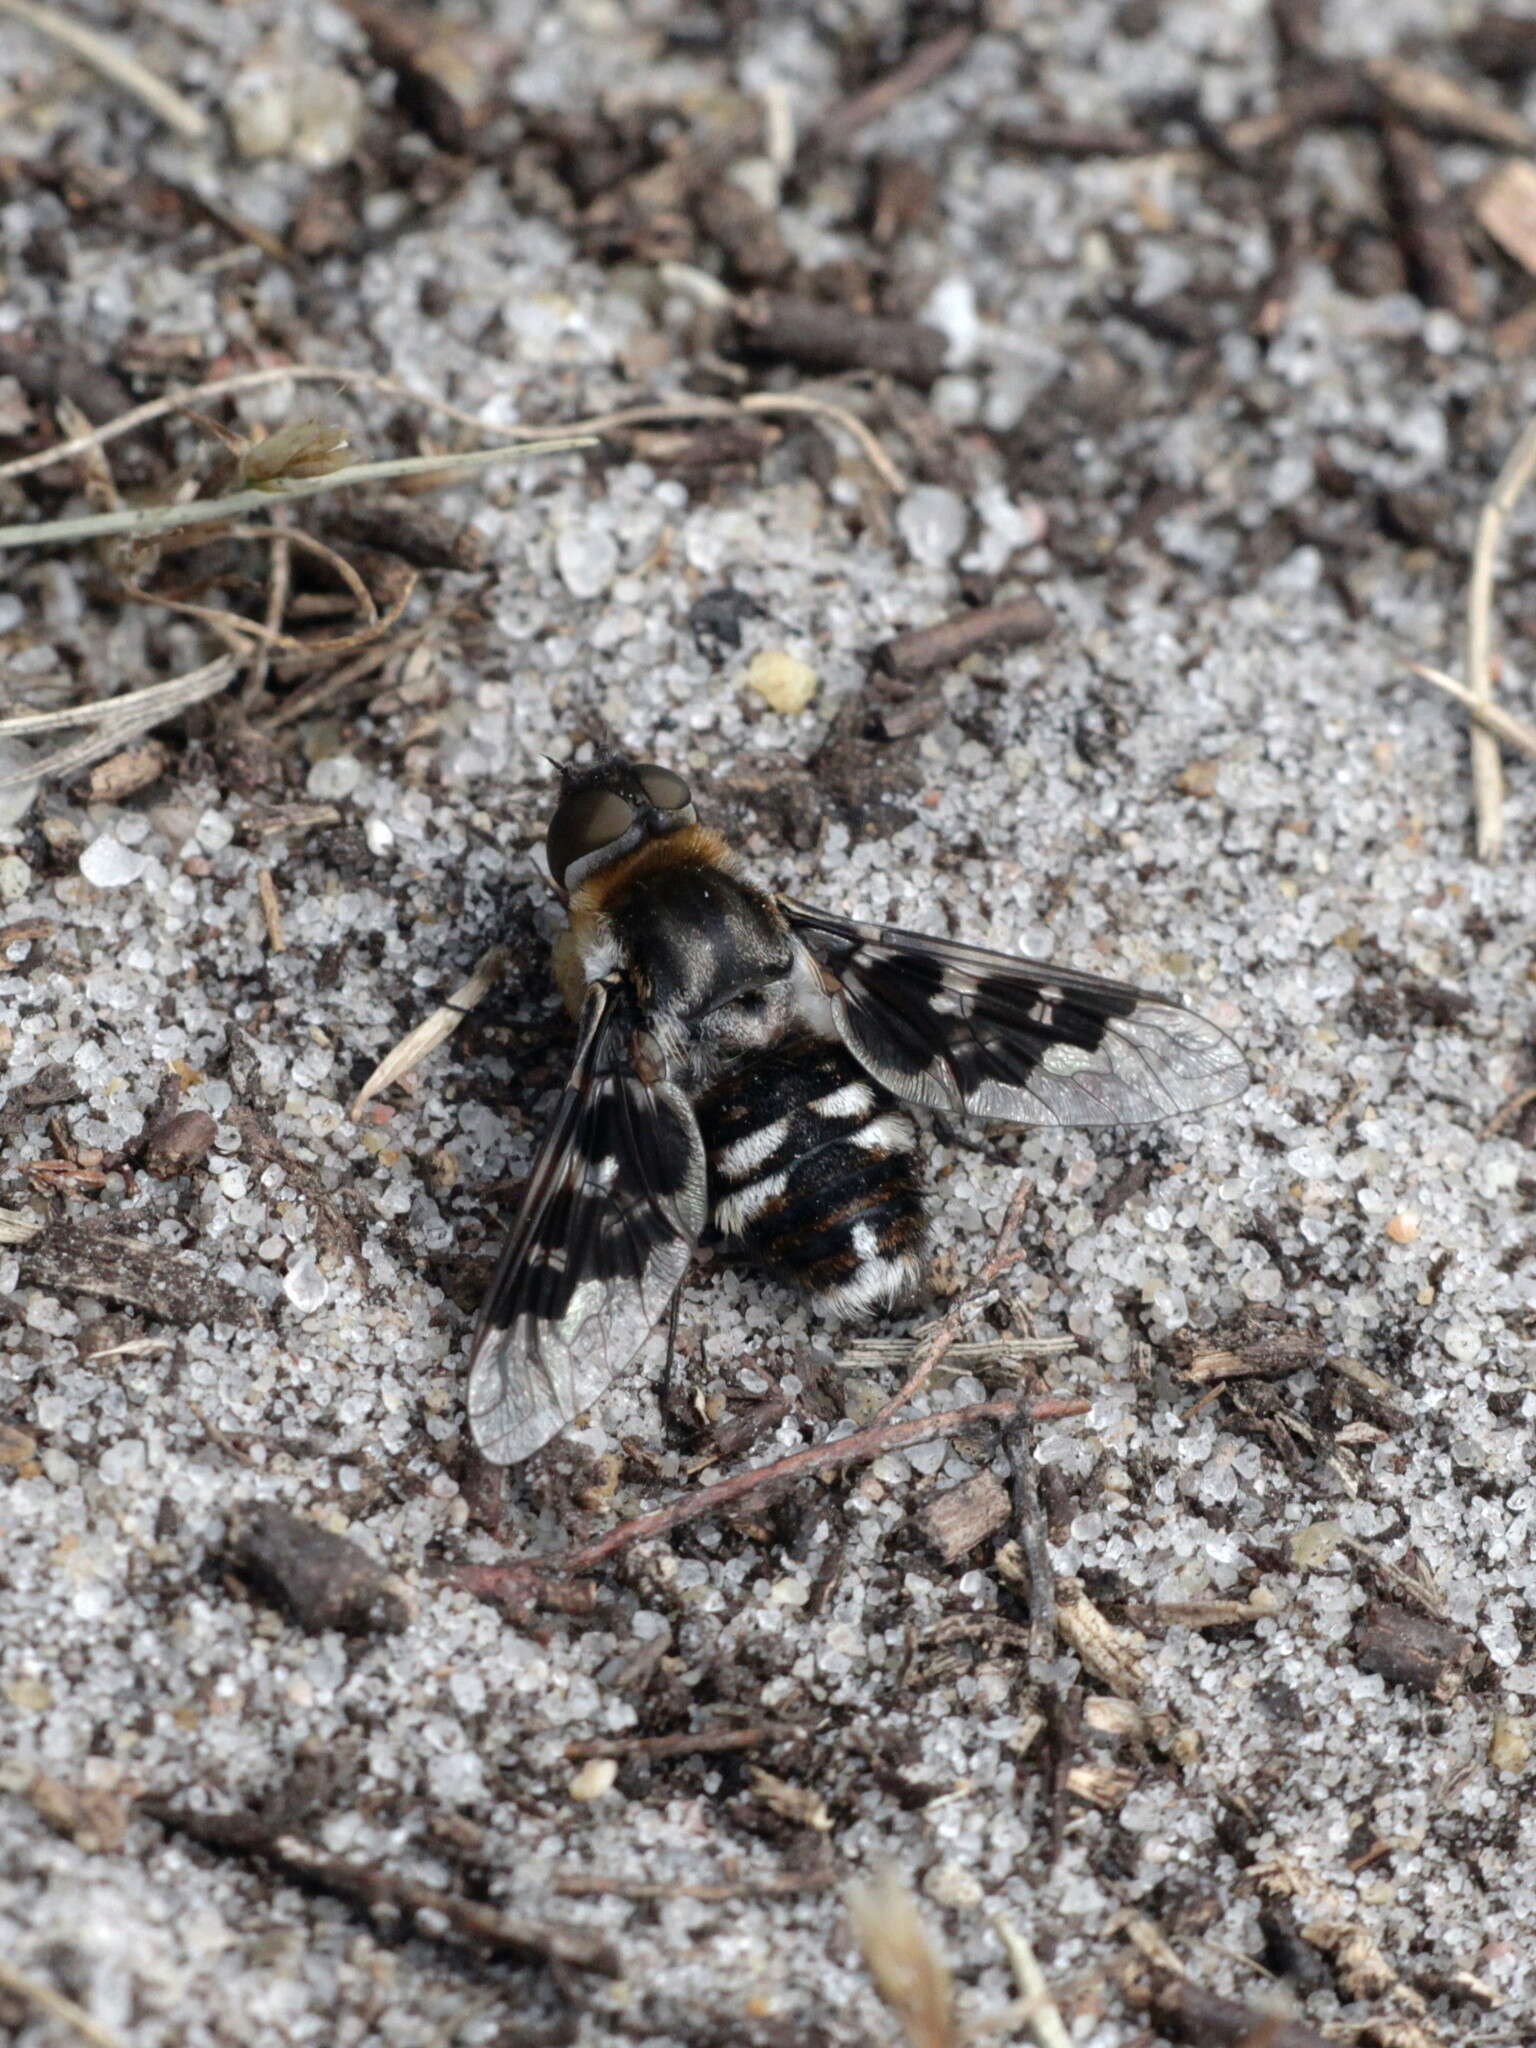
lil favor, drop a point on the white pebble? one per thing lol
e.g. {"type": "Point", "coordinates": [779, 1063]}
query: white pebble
{"type": "Point", "coordinates": [951, 308]}
{"type": "Point", "coordinates": [335, 777]}
{"type": "Point", "coordinates": [107, 864]}
{"type": "Point", "coordinates": [16, 801]}
{"type": "Point", "coordinates": [378, 835]}
{"type": "Point", "coordinates": [931, 520]}
{"type": "Point", "coordinates": [305, 1285]}
{"type": "Point", "coordinates": [15, 878]}
{"type": "Point", "coordinates": [587, 558]}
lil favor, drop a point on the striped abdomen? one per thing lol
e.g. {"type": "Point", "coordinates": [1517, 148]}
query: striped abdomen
{"type": "Point", "coordinates": [813, 1173]}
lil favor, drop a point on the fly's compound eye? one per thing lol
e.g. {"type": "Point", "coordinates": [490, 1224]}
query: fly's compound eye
{"type": "Point", "coordinates": [585, 824]}
{"type": "Point", "coordinates": [668, 792]}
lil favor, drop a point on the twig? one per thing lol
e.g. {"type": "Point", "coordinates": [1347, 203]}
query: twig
{"type": "Point", "coordinates": [113, 63]}
{"type": "Point", "coordinates": [1033, 1540]}
{"type": "Point", "coordinates": [1039, 2011]}
{"type": "Point", "coordinates": [938, 1345]}
{"type": "Point", "coordinates": [57, 2006]}
{"type": "Point", "coordinates": [142, 520]}
{"type": "Point", "coordinates": [920, 68]}
{"type": "Point", "coordinates": [504, 1581]}
{"type": "Point", "coordinates": [1492, 716]}
{"type": "Point", "coordinates": [989, 1359]}
{"type": "Point", "coordinates": [1431, 230]}
{"type": "Point", "coordinates": [278, 580]}
{"type": "Point", "coordinates": [116, 719]}
{"type": "Point", "coordinates": [1487, 773]}
{"type": "Point", "coordinates": [1508, 1110]}
{"type": "Point", "coordinates": [584, 1885]}
{"type": "Point", "coordinates": [271, 910]}
{"type": "Point", "coordinates": [431, 1033]}
{"type": "Point", "coordinates": [767, 402]}
{"type": "Point", "coordinates": [363, 1884]}
{"type": "Point", "coordinates": [690, 1742]}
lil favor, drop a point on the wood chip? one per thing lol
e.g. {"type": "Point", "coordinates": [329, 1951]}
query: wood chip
{"type": "Point", "coordinates": [271, 910]}
{"type": "Point", "coordinates": [127, 773]}
{"type": "Point", "coordinates": [957, 1520]}
{"type": "Point", "coordinates": [175, 1287]}
{"type": "Point", "coordinates": [1434, 101]}
{"type": "Point", "coordinates": [1105, 1786]}
{"type": "Point", "coordinates": [1407, 1650]}
{"type": "Point", "coordinates": [797, 1803]}
{"type": "Point", "coordinates": [1505, 206]}
{"type": "Point", "coordinates": [1110, 1654]}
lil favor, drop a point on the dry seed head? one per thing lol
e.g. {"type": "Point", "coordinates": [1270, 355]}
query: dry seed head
{"type": "Point", "coordinates": [296, 452]}
{"type": "Point", "coordinates": [910, 1975]}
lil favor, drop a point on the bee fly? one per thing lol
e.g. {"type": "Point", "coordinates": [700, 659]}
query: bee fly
{"type": "Point", "coordinates": [742, 1068]}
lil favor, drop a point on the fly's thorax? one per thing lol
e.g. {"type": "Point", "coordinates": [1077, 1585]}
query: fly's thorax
{"type": "Point", "coordinates": [695, 937]}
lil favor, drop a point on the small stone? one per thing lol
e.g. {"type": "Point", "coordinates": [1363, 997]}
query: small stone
{"type": "Point", "coordinates": [951, 1884]}
{"type": "Point", "coordinates": [783, 681]}
{"type": "Point", "coordinates": [16, 801]}
{"type": "Point", "coordinates": [596, 1777]}
{"type": "Point", "coordinates": [1403, 1228]}
{"type": "Point", "coordinates": [305, 1285]}
{"type": "Point", "coordinates": [932, 522]}
{"type": "Point", "coordinates": [378, 836]}
{"type": "Point", "coordinates": [107, 864]}
{"type": "Point", "coordinates": [1312, 1546]}
{"type": "Point", "coordinates": [325, 1581]}
{"type": "Point", "coordinates": [587, 558]}
{"type": "Point", "coordinates": [335, 777]}
{"type": "Point", "coordinates": [1199, 778]}
{"type": "Point", "coordinates": [1509, 1744]}
{"type": "Point", "coordinates": [312, 114]}
{"type": "Point", "coordinates": [15, 878]}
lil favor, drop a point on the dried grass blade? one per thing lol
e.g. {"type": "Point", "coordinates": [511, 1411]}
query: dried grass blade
{"type": "Point", "coordinates": [434, 1030]}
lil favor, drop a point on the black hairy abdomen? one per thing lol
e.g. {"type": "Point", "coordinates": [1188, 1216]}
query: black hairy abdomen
{"type": "Point", "coordinates": [813, 1172]}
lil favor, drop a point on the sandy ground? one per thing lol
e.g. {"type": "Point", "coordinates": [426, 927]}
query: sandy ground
{"type": "Point", "coordinates": [1215, 773]}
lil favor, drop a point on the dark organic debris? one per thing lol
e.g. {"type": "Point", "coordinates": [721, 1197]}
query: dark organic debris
{"type": "Point", "coordinates": [1431, 230]}
{"type": "Point", "coordinates": [429, 1913]}
{"type": "Point", "coordinates": [715, 620]}
{"type": "Point", "coordinates": [821, 336]}
{"type": "Point", "coordinates": [1210, 2021]}
{"type": "Point", "coordinates": [1406, 1649]}
{"type": "Point", "coordinates": [987, 630]}
{"type": "Point", "coordinates": [323, 1580]}
{"type": "Point", "coordinates": [688, 1742]}
{"type": "Point", "coordinates": [48, 1088]}
{"type": "Point", "coordinates": [178, 1140]}
{"type": "Point", "coordinates": [425, 538]}
{"type": "Point", "coordinates": [174, 1287]}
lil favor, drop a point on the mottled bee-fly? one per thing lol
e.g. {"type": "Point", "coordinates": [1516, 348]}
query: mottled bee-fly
{"type": "Point", "coordinates": [743, 1070]}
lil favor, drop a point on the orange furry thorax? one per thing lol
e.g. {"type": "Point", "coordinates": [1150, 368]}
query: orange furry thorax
{"type": "Point", "coordinates": [591, 899]}
{"type": "Point", "coordinates": [688, 846]}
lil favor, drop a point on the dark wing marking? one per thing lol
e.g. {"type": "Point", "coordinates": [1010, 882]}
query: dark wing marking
{"type": "Point", "coordinates": [956, 1027]}
{"type": "Point", "coordinates": [613, 1208]}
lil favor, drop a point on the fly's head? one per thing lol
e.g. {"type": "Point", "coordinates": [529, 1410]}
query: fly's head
{"type": "Point", "coordinates": [609, 809]}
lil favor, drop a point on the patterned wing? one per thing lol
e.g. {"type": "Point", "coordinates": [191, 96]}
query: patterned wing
{"type": "Point", "coordinates": [956, 1027]}
{"type": "Point", "coordinates": [613, 1208]}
